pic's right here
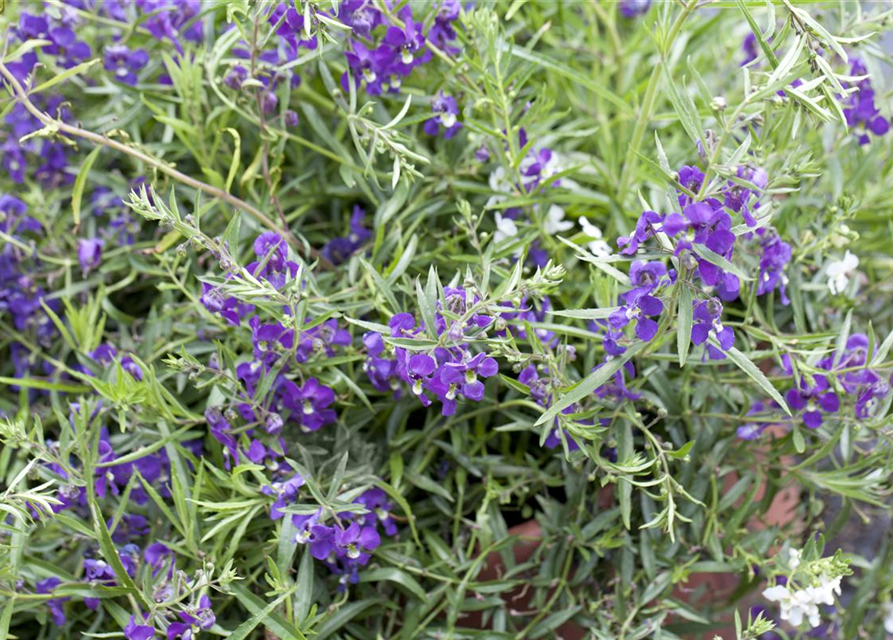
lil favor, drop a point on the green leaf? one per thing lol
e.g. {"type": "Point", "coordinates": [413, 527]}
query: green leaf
{"type": "Point", "coordinates": [685, 109]}
{"type": "Point", "coordinates": [590, 383]}
{"type": "Point", "coordinates": [683, 322]}
{"type": "Point", "coordinates": [303, 600]}
{"type": "Point", "coordinates": [65, 75]}
{"type": "Point", "coordinates": [748, 367]}
{"type": "Point", "coordinates": [587, 314]}
{"type": "Point", "coordinates": [401, 578]}
{"type": "Point", "coordinates": [273, 621]}
{"type": "Point", "coordinates": [344, 614]}
{"type": "Point", "coordinates": [569, 73]}
{"type": "Point", "coordinates": [80, 182]}
{"type": "Point", "coordinates": [244, 629]}
{"type": "Point", "coordinates": [758, 34]}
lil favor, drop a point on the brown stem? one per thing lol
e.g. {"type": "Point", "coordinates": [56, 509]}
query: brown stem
{"type": "Point", "coordinates": [22, 96]}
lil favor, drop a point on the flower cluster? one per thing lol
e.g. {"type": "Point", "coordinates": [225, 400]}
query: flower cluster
{"type": "Point", "coordinates": [402, 43]}
{"type": "Point", "coordinates": [816, 396]}
{"type": "Point", "coordinates": [443, 372]}
{"type": "Point", "coordinates": [806, 587]}
{"type": "Point", "coordinates": [346, 544]}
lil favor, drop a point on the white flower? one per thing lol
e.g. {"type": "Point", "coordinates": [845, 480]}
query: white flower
{"type": "Point", "coordinates": [839, 272]}
{"type": "Point", "coordinates": [888, 617]}
{"type": "Point", "coordinates": [555, 222]}
{"type": "Point", "coordinates": [500, 185]}
{"type": "Point", "coordinates": [794, 558]}
{"type": "Point", "coordinates": [794, 606]}
{"type": "Point", "coordinates": [824, 593]}
{"type": "Point", "coordinates": [505, 228]}
{"type": "Point", "coordinates": [598, 246]}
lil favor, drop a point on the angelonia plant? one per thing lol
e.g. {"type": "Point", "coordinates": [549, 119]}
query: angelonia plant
{"type": "Point", "coordinates": [380, 319]}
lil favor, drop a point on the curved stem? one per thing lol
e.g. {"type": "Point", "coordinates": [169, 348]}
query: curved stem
{"type": "Point", "coordinates": [21, 95]}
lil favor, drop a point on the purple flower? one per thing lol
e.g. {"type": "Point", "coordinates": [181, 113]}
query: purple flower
{"type": "Point", "coordinates": [236, 76]}
{"type": "Point", "coordinates": [405, 45]}
{"type": "Point", "coordinates": [125, 62]}
{"type": "Point", "coordinates": [442, 33]}
{"type": "Point", "coordinates": [90, 254]}
{"type": "Point", "coordinates": [366, 66]}
{"type": "Point", "coordinates": [707, 314]}
{"type": "Point", "coordinates": [376, 501]}
{"type": "Point", "coordinates": [286, 493]}
{"type": "Point", "coordinates": [751, 49]}
{"type": "Point", "coordinates": [356, 543]}
{"type": "Point", "coordinates": [633, 8]}
{"type": "Point", "coordinates": [156, 555]}
{"type": "Point", "coordinates": [813, 400]}
{"type": "Point", "coordinates": [647, 224]}
{"type": "Point", "coordinates": [56, 605]}
{"type": "Point", "coordinates": [862, 111]}
{"type": "Point", "coordinates": [360, 15]}
{"type": "Point", "coordinates": [67, 47]}
{"type": "Point", "coordinates": [640, 305]}
{"type": "Point", "coordinates": [447, 111]}
{"type": "Point", "coordinates": [319, 538]}
{"type": "Point", "coordinates": [775, 257]}
{"type": "Point", "coordinates": [704, 224]}
{"type": "Point", "coordinates": [340, 249]}
{"type": "Point", "coordinates": [136, 631]}
{"type": "Point", "coordinates": [464, 375]}
{"type": "Point", "coordinates": [308, 403]}
{"type": "Point", "coordinates": [751, 430]}
{"type": "Point", "coordinates": [231, 309]}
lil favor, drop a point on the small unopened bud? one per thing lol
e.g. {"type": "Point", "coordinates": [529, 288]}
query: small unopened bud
{"type": "Point", "coordinates": [718, 103]}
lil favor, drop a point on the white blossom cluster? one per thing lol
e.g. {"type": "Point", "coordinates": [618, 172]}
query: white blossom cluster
{"type": "Point", "coordinates": [797, 604]}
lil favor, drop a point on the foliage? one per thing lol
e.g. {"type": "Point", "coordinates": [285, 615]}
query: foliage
{"type": "Point", "coordinates": [305, 308]}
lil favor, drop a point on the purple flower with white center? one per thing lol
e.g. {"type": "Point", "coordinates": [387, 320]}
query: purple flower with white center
{"type": "Point", "coordinates": [776, 254]}
{"type": "Point", "coordinates": [640, 305]}
{"type": "Point", "coordinates": [56, 605]}
{"type": "Point", "coordinates": [463, 376]}
{"type": "Point", "coordinates": [286, 493]}
{"type": "Point", "coordinates": [270, 341]}
{"type": "Point", "coordinates": [813, 400]}
{"type": "Point", "coordinates": [125, 62]}
{"type": "Point", "coordinates": [308, 403]}
{"type": "Point", "coordinates": [447, 111]}
{"type": "Point", "coordinates": [319, 538]}
{"type": "Point", "coordinates": [135, 630]}
{"type": "Point", "coordinates": [366, 66]}
{"type": "Point", "coordinates": [633, 8]}
{"type": "Point", "coordinates": [172, 19]}
{"type": "Point", "coordinates": [707, 315]}
{"type": "Point", "coordinates": [417, 372]}
{"type": "Point", "coordinates": [647, 224]}
{"type": "Point", "coordinates": [641, 309]}
{"type": "Point", "coordinates": [404, 46]}
{"type": "Point", "coordinates": [90, 254]}
{"type": "Point", "coordinates": [376, 501]}
{"type": "Point", "coordinates": [356, 543]}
